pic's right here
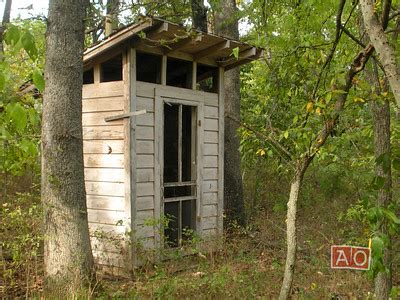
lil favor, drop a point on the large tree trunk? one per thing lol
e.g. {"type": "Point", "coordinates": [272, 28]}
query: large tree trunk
{"type": "Point", "coordinates": [382, 46]}
{"type": "Point", "coordinates": [199, 15]}
{"type": "Point", "coordinates": [68, 257]}
{"type": "Point", "coordinates": [226, 24]}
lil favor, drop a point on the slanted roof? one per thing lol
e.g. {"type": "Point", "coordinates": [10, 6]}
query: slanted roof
{"type": "Point", "coordinates": [164, 37]}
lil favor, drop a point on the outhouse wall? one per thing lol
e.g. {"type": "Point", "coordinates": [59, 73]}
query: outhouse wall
{"type": "Point", "coordinates": [122, 163]}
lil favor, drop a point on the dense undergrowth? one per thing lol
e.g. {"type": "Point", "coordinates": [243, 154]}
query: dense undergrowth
{"type": "Point", "coordinates": [250, 264]}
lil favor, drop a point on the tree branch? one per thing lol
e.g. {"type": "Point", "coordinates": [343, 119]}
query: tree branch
{"type": "Point", "coordinates": [282, 151]}
{"type": "Point", "coordinates": [387, 4]}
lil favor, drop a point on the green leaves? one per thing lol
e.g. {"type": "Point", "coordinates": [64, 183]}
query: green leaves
{"type": "Point", "coordinates": [38, 80]}
{"type": "Point", "coordinates": [235, 52]}
{"type": "Point", "coordinates": [12, 35]}
{"type": "Point", "coordinates": [28, 42]}
{"type": "Point", "coordinates": [396, 164]}
{"type": "Point", "coordinates": [17, 115]}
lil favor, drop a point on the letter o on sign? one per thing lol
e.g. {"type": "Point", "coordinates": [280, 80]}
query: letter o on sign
{"type": "Point", "coordinates": [357, 255]}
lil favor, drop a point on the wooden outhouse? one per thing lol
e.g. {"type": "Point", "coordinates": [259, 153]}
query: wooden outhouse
{"type": "Point", "coordinates": [153, 131]}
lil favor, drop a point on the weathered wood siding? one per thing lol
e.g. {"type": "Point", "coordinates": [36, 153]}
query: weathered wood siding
{"type": "Point", "coordinates": [103, 148]}
{"type": "Point", "coordinates": [105, 167]}
{"type": "Point", "coordinates": [145, 172]}
{"type": "Point", "coordinates": [148, 205]}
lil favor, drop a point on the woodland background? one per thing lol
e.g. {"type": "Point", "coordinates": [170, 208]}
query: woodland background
{"type": "Point", "coordinates": [286, 98]}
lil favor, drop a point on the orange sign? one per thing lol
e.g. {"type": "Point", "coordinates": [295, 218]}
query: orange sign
{"type": "Point", "coordinates": [350, 257]}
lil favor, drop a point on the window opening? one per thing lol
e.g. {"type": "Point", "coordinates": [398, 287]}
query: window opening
{"type": "Point", "coordinates": [88, 76]}
{"type": "Point", "coordinates": [207, 78]}
{"type": "Point", "coordinates": [111, 70]}
{"type": "Point", "coordinates": [179, 73]}
{"type": "Point", "coordinates": [179, 172]}
{"type": "Point", "coordinates": [148, 67]}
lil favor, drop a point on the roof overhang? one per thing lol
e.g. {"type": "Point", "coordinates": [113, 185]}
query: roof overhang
{"type": "Point", "coordinates": [167, 38]}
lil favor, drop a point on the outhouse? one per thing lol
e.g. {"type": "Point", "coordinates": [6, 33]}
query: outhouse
{"type": "Point", "coordinates": [153, 137]}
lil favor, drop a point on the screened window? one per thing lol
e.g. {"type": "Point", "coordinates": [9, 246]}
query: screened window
{"type": "Point", "coordinates": [148, 67]}
{"type": "Point", "coordinates": [179, 189]}
{"type": "Point", "coordinates": [179, 73]}
{"type": "Point", "coordinates": [111, 70]}
{"type": "Point", "coordinates": [207, 78]}
{"type": "Point", "coordinates": [88, 76]}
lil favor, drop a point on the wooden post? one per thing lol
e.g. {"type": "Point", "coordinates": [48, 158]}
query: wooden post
{"type": "Point", "coordinates": [164, 70]}
{"type": "Point", "coordinates": [221, 121]}
{"type": "Point", "coordinates": [158, 169]}
{"type": "Point", "coordinates": [130, 149]}
{"type": "Point", "coordinates": [96, 73]}
{"type": "Point", "coordinates": [194, 76]}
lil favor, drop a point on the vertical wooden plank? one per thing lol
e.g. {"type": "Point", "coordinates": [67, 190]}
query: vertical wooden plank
{"type": "Point", "coordinates": [199, 161]}
{"type": "Point", "coordinates": [164, 70]}
{"type": "Point", "coordinates": [158, 164]}
{"type": "Point", "coordinates": [131, 151]}
{"type": "Point", "coordinates": [194, 75]}
{"type": "Point", "coordinates": [127, 143]}
{"type": "Point", "coordinates": [96, 73]}
{"type": "Point", "coordinates": [221, 125]}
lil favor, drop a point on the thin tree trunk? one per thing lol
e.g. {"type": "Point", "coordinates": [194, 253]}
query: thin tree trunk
{"type": "Point", "coordinates": [381, 117]}
{"type": "Point", "coordinates": [68, 257]}
{"type": "Point", "coordinates": [302, 166]}
{"type": "Point", "coordinates": [6, 19]}
{"type": "Point", "coordinates": [111, 20]}
{"type": "Point", "coordinates": [382, 46]}
{"type": "Point", "coordinates": [381, 121]}
{"type": "Point", "coordinates": [226, 24]}
{"type": "Point", "coordinates": [291, 236]}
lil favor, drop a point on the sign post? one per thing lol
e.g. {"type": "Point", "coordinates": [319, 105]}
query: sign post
{"type": "Point", "coordinates": [350, 257]}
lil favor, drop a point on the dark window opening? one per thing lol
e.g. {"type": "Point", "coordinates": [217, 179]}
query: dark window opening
{"type": "Point", "coordinates": [171, 231]}
{"type": "Point", "coordinates": [207, 78]}
{"type": "Point", "coordinates": [180, 222]}
{"type": "Point", "coordinates": [179, 142]}
{"type": "Point", "coordinates": [148, 67]}
{"type": "Point", "coordinates": [111, 70]}
{"type": "Point", "coordinates": [179, 188]}
{"type": "Point", "coordinates": [187, 138]}
{"type": "Point", "coordinates": [88, 76]}
{"type": "Point", "coordinates": [179, 73]}
{"type": "Point", "coordinates": [171, 116]}
{"type": "Point", "coordinates": [178, 191]}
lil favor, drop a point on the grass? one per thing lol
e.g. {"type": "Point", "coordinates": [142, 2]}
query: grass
{"type": "Point", "coordinates": [250, 265]}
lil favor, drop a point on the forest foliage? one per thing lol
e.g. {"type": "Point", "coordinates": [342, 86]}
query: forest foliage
{"type": "Point", "coordinates": [286, 98]}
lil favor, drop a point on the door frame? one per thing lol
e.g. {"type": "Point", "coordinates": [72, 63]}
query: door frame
{"type": "Point", "coordinates": [198, 102]}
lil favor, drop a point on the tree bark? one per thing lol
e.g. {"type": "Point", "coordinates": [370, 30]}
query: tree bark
{"type": "Point", "coordinates": [6, 19]}
{"type": "Point", "coordinates": [382, 46]}
{"type": "Point", "coordinates": [226, 24]}
{"type": "Point", "coordinates": [381, 123]}
{"type": "Point", "coordinates": [381, 117]}
{"type": "Point", "coordinates": [68, 257]}
{"type": "Point", "coordinates": [199, 15]}
{"type": "Point", "coordinates": [291, 236]}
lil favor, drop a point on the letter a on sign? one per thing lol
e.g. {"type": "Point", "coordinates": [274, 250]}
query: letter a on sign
{"type": "Point", "coordinates": [349, 257]}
